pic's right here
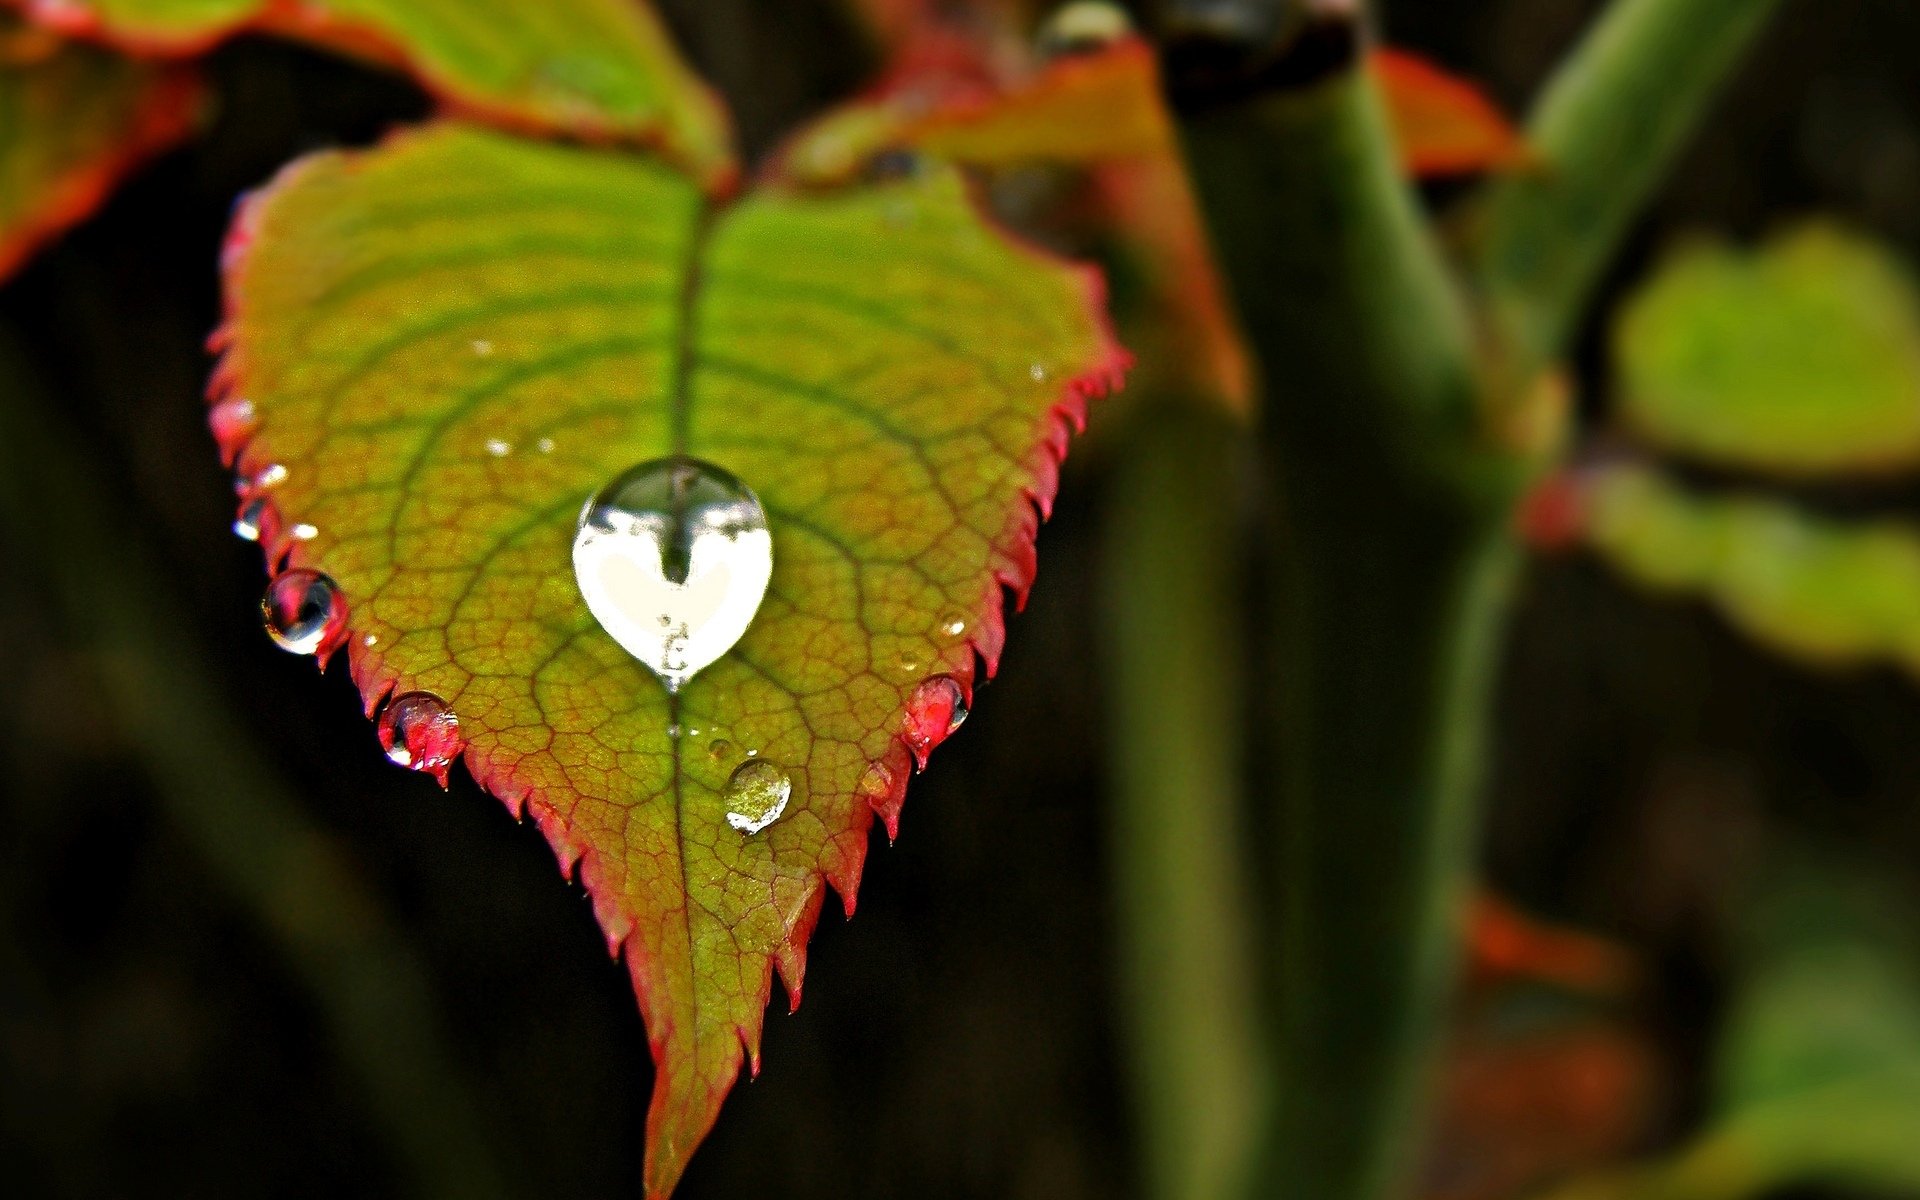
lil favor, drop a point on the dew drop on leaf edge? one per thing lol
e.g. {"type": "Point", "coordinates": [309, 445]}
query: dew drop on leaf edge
{"type": "Point", "coordinates": [756, 795]}
{"type": "Point", "coordinates": [937, 708]}
{"type": "Point", "coordinates": [304, 613]}
{"type": "Point", "coordinates": [250, 522]}
{"type": "Point", "coordinates": [418, 731]}
{"type": "Point", "coordinates": [672, 558]}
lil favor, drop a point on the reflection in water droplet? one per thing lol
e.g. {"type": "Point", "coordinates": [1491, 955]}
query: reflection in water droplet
{"type": "Point", "coordinates": [720, 750]}
{"type": "Point", "coordinates": [419, 731]}
{"type": "Point", "coordinates": [757, 795]}
{"type": "Point", "coordinates": [937, 708]}
{"type": "Point", "coordinates": [909, 664]}
{"type": "Point", "coordinates": [304, 613]}
{"type": "Point", "coordinates": [953, 624]}
{"type": "Point", "coordinates": [269, 476]}
{"type": "Point", "coordinates": [251, 521]}
{"type": "Point", "coordinates": [673, 558]}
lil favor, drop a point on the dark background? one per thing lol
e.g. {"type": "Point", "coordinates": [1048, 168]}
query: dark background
{"type": "Point", "coordinates": [959, 1037]}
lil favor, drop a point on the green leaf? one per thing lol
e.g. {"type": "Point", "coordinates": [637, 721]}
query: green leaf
{"type": "Point", "coordinates": [1827, 592]}
{"type": "Point", "coordinates": [452, 341]}
{"type": "Point", "coordinates": [1819, 1058]}
{"type": "Point", "coordinates": [73, 121]}
{"type": "Point", "coordinates": [1802, 358]}
{"type": "Point", "coordinates": [601, 69]}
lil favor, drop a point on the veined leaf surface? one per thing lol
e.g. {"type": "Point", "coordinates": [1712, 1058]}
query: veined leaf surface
{"type": "Point", "coordinates": [452, 341]}
{"type": "Point", "coordinates": [73, 120]}
{"type": "Point", "coordinates": [603, 69]}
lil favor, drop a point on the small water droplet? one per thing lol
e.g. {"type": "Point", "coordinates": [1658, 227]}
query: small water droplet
{"type": "Point", "coordinates": [482, 347]}
{"type": "Point", "coordinates": [953, 624]}
{"type": "Point", "coordinates": [372, 639]}
{"type": "Point", "coordinates": [937, 708]}
{"type": "Point", "coordinates": [305, 532]}
{"type": "Point", "coordinates": [756, 796]}
{"type": "Point", "coordinates": [909, 664]}
{"type": "Point", "coordinates": [270, 476]}
{"type": "Point", "coordinates": [720, 749]}
{"type": "Point", "coordinates": [1083, 27]}
{"type": "Point", "coordinates": [544, 445]}
{"type": "Point", "coordinates": [673, 730]}
{"type": "Point", "coordinates": [232, 422]}
{"type": "Point", "coordinates": [418, 731]}
{"type": "Point", "coordinates": [1038, 372]}
{"type": "Point", "coordinates": [672, 559]}
{"type": "Point", "coordinates": [251, 521]}
{"type": "Point", "coordinates": [499, 448]}
{"type": "Point", "coordinates": [305, 613]}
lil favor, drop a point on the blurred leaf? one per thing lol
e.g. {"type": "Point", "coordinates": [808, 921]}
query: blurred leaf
{"type": "Point", "coordinates": [1824, 591]}
{"type": "Point", "coordinates": [1819, 1060]}
{"type": "Point", "coordinates": [1800, 358]}
{"type": "Point", "coordinates": [73, 121]}
{"type": "Point", "coordinates": [601, 69]}
{"type": "Point", "coordinates": [1444, 124]}
{"type": "Point", "coordinates": [454, 340]}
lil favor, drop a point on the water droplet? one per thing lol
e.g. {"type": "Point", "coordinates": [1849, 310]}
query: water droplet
{"type": "Point", "coordinates": [720, 749]}
{"type": "Point", "coordinates": [757, 795]}
{"type": "Point", "coordinates": [544, 445]}
{"type": "Point", "coordinates": [372, 639]}
{"type": "Point", "coordinates": [673, 558]}
{"type": "Point", "coordinates": [953, 624]}
{"type": "Point", "coordinates": [1083, 27]}
{"type": "Point", "coordinates": [418, 731]}
{"type": "Point", "coordinates": [1038, 372]}
{"type": "Point", "coordinates": [270, 476]}
{"type": "Point", "coordinates": [482, 347]}
{"type": "Point", "coordinates": [232, 422]}
{"type": "Point", "coordinates": [305, 613]}
{"type": "Point", "coordinates": [909, 664]}
{"type": "Point", "coordinates": [251, 521]}
{"type": "Point", "coordinates": [673, 731]}
{"type": "Point", "coordinates": [499, 448]}
{"type": "Point", "coordinates": [305, 532]}
{"type": "Point", "coordinates": [937, 708]}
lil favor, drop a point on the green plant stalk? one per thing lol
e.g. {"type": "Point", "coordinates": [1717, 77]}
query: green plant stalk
{"type": "Point", "coordinates": [1392, 563]}
{"type": "Point", "coordinates": [1605, 130]}
{"type": "Point", "coordinates": [1172, 620]}
{"type": "Point", "coordinates": [370, 990]}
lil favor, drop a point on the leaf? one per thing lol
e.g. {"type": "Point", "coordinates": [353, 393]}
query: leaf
{"type": "Point", "coordinates": [1802, 358]}
{"type": "Point", "coordinates": [1827, 592]}
{"type": "Point", "coordinates": [452, 341]}
{"type": "Point", "coordinates": [601, 69]}
{"type": "Point", "coordinates": [73, 122]}
{"type": "Point", "coordinates": [1444, 125]}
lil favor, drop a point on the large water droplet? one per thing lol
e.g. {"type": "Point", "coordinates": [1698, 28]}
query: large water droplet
{"type": "Point", "coordinates": [757, 795]}
{"type": "Point", "coordinates": [304, 613]}
{"type": "Point", "coordinates": [673, 558]}
{"type": "Point", "coordinates": [937, 708]}
{"type": "Point", "coordinates": [418, 731]}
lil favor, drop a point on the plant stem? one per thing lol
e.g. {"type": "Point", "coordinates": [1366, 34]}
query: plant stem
{"type": "Point", "coordinates": [1391, 567]}
{"type": "Point", "coordinates": [1606, 129]}
{"type": "Point", "coordinates": [1172, 586]}
{"type": "Point", "coordinates": [369, 988]}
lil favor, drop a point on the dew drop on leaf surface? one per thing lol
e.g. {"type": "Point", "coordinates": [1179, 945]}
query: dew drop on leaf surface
{"type": "Point", "coordinates": [418, 731]}
{"type": "Point", "coordinates": [756, 795]}
{"type": "Point", "coordinates": [672, 558]}
{"type": "Point", "coordinates": [938, 707]}
{"type": "Point", "coordinates": [250, 522]}
{"type": "Point", "coordinates": [305, 613]}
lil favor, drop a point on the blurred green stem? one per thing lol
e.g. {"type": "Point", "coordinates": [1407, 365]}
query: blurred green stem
{"type": "Point", "coordinates": [369, 989]}
{"type": "Point", "coordinates": [1606, 129]}
{"type": "Point", "coordinates": [1392, 560]}
{"type": "Point", "coordinates": [1172, 619]}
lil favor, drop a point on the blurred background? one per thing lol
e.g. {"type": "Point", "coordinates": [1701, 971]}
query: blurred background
{"type": "Point", "coordinates": [158, 1036]}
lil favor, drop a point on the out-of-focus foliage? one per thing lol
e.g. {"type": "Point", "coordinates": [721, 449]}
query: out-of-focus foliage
{"type": "Point", "coordinates": [73, 120]}
{"type": "Point", "coordinates": [1818, 1065]}
{"type": "Point", "coordinates": [1802, 357]}
{"type": "Point", "coordinates": [1824, 591]}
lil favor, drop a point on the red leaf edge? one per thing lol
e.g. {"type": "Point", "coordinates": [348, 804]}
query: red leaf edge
{"type": "Point", "coordinates": [166, 115]}
{"type": "Point", "coordinates": [1013, 569]}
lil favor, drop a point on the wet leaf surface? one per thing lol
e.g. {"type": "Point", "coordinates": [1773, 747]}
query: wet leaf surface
{"type": "Point", "coordinates": [450, 342]}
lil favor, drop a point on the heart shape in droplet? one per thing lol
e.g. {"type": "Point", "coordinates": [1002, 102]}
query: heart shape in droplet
{"type": "Point", "coordinates": [673, 559]}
